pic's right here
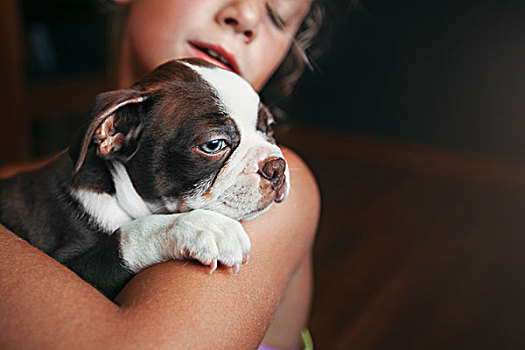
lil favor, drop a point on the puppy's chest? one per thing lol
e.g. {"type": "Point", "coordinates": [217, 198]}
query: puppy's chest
{"type": "Point", "coordinates": [109, 211]}
{"type": "Point", "coordinates": [102, 209]}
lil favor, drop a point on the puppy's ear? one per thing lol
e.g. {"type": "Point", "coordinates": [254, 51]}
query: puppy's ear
{"type": "Point", "coordinates": [116, 123]}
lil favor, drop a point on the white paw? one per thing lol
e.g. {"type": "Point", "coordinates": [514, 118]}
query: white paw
{"type": "Point", "coordinates": [210, 237]}
{"type": "Point", "coordinates": [203, 235]}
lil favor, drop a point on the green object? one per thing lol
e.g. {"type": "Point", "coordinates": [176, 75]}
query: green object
{"type": "Point", "coordinates": [308, 343]}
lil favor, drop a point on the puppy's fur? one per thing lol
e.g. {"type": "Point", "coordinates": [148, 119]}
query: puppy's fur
{"type": "Point", "coordinates": [164, 170]}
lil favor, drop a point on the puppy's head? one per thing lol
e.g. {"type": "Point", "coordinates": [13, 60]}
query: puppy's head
{"type": "Point", "coordinates": [190, 136]}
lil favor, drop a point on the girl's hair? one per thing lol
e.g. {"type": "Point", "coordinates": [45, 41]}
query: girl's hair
{"type": "Point", "coordinates": [283, 81]}
{"type": "Point", "coordinates": [311, 39]}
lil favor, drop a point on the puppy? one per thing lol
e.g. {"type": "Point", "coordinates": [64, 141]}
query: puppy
{"type": "Point", "coordinates": [164, 170]}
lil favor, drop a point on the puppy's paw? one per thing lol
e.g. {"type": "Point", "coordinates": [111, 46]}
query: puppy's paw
{"type": "Point", "coordinates": [211, 238]}
{"type": "Point", "coordinates": [202, 235]}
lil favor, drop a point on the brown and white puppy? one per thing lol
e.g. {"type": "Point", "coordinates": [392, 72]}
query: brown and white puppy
{"type": "Point", "coordinates": [164, 170]}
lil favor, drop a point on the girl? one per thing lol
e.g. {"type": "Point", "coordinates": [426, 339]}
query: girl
{"type": "Point", "coordinates": [174, 304]}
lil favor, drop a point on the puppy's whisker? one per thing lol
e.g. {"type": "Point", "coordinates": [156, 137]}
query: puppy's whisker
{"type": "Point", "coordinates": [158, 211]}
{"type": "Point", "coordinates": [161, 210]}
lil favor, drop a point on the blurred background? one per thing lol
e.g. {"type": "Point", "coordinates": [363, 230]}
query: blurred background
{"type": "Point", "coordinates": [412, 123]}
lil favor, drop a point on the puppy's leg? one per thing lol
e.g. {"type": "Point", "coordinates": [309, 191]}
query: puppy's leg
{"type": "Point", "coordinates": [204, 235]}
{"type": "Point", "coordinates": [102, 265]}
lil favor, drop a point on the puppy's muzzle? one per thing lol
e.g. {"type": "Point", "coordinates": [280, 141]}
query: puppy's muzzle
{"type": "Point", "coordinates": [272, 169]}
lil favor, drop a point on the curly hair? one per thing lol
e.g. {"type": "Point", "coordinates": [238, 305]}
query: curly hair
{"type": "Point", "coordinates": [308, 44]}
{"type": "Point", "coordinates": [283, 81]}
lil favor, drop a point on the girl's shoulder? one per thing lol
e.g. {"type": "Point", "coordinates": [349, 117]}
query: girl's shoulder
{"type": "Point", "coordinates": [302, 180]}
{"type": "Point", "coordinates": [293, 221]}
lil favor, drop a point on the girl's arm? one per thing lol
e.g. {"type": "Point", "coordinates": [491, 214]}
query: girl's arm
{"type": "Point", "coordinates": [170, 305]}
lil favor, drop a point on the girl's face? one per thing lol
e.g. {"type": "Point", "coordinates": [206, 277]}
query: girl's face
{"type": "Point", "coordinates": [250, 37]}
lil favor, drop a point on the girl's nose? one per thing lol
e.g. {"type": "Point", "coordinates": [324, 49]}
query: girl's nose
{"type": "Point", "coordinates": [243, 16]}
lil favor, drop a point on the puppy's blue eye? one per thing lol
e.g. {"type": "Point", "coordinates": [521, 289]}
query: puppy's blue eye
{"type": "Point", "coordinates": [213, 146]}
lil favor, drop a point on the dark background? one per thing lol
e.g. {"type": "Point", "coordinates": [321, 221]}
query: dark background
{"type": "Point", "coordinates": [449, 74]}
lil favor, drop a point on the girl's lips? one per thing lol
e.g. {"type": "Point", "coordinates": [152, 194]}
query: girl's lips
{"type": "Point", "coordinates": [224, 60]}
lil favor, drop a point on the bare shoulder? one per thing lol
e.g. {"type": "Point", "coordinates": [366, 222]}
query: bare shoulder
{"type": "Point", "coordinates": [282, 237]}
{"type": "Point", "coordinates": [296, 217]}
{"type": "Point", "coordinates": [300, 172]}
{"type": "Point", "coordinates": [304, 194]}
{"type": "Point", "coordinates": [304, 197]}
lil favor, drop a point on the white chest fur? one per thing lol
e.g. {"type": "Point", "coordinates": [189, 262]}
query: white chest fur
{"type": "Point", "coordinates": [112, 211]}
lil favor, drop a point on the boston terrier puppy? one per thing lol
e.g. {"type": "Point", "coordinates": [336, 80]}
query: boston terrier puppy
{"type": "Point", "coordinates": [163, 170]}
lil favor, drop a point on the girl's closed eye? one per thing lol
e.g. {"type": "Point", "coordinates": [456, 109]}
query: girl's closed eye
{"type": "Point", "coordinates": [274, 16]}
{"type": "Point", "coordinates": [287, 15]}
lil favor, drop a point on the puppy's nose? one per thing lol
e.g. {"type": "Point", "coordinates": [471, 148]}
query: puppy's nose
{"type": "Point", "coordinates": [273, 170]}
